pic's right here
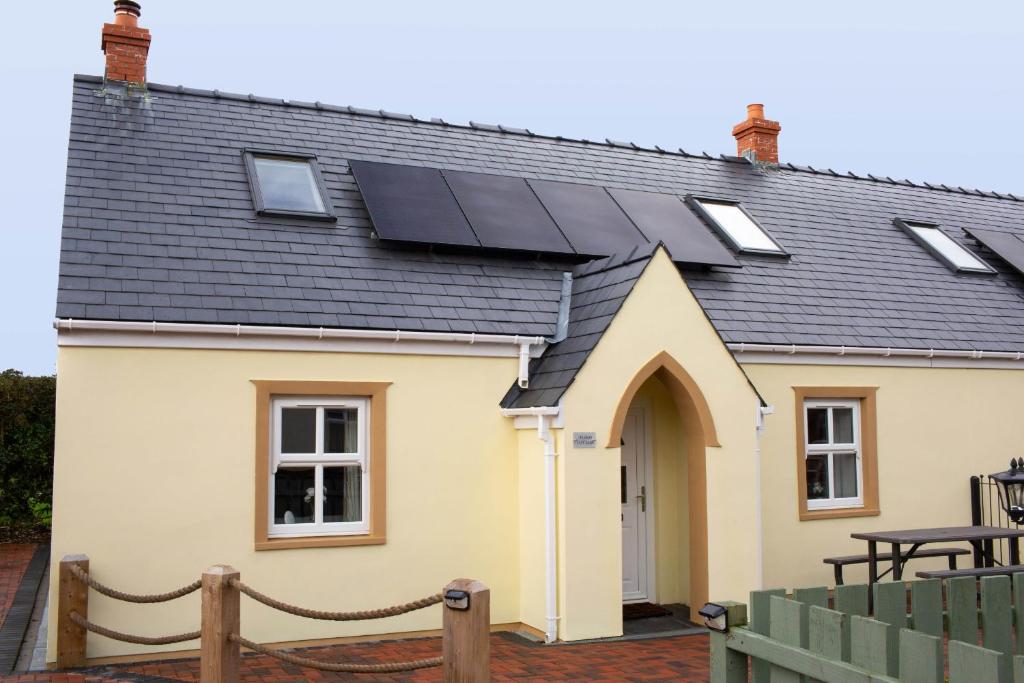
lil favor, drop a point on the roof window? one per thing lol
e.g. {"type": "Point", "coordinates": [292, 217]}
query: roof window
{"type": "Point", "coordinates": [287, 185]}
{"type": "Point", "coordinates": [737, 226]}
{"type": "Point", "coordinates": [943, 247]}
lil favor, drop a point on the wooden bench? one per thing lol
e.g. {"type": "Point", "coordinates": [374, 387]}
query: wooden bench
{"type": "Point", "coordinates": [979, 572]}
{"type": "Point", "coordinates": [839, 562]}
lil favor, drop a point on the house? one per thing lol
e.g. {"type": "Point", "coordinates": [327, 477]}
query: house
{"type": "Point", "coordinates": [356, 354]}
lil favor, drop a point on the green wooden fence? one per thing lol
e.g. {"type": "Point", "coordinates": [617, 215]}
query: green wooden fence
{"type": "Point", "coordinates": [805, 638]}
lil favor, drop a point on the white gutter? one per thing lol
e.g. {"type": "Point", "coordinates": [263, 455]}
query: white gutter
{"type": "Point", "coordinates": [884, 352]}
{"type": "Point", "coordinates": [524, 343]}
{"type": "Point", "coordinates": [545, 435]}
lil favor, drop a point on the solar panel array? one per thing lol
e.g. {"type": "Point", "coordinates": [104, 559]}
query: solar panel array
{"type": "Point", "coordinates": [459, 208]}
{"type": "Point", "coordinates": [1005, 245]}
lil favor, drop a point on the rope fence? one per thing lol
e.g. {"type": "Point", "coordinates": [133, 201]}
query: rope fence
{"type": "Point", "coordinates": [465, 639]}
{"type": "Point", "coordinates": [129, 637]}
{"type": "Point", "coordinates": [336, 616]}
{"type": "Point", "coordinates": [339, 667]}
{"type": "Point", "coordinates": [86, 578]}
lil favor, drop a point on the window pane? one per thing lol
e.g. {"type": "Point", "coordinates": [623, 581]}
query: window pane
{"type": "Point", "coordinates": [817, 425]}
{"type": "Point", "coordinates": [343, 494]}
{"type": "Point", "coordinates": [842, 425]}
{"type": "Point", "coordinates": [817, 476]}
{"type": "Point", "coordinates": [294, 495]}
{"type": "Point", "coordinates": [298, 430]}
{"type": "Point", "coordinates": [288, 185]}
{"type": "Point", "coordinates": [341, 430]}
{"type": "Point", "coordinates": [744, 231]}
{"type": "Point", "coordinates": [846, 474]}
{"type": "Point", "coordinates": [950, 250]}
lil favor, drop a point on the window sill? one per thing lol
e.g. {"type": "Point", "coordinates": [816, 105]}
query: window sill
{"type": "Point", "coordinates": [838, 513]}
{"type": "Point", "coordinates": [287, 543]}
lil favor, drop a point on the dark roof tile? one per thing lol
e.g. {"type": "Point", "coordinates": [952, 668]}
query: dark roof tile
{"type": "Point", "coordinates": [157, 198]}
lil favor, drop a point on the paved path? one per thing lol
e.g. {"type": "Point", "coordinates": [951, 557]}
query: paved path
{"type": "Point", "coordinates": [14, 559]}
{"type": "Point", "coordinates": [680, 658]}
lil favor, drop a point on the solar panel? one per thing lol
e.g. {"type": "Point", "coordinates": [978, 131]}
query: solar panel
{"type": "Point", "coordinates": [1006, 246]}
{"type": "Point", "coordinates": [505, 213]}
{"type": "Point", "coordinates": [593, 223]}
{"type": "Point", "coordinates": [411, 203]}
{"type": "Point", "coordinates": [666, 218]}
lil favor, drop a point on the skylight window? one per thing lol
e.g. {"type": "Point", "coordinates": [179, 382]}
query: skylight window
{"type": "Point", "coordinates": [287, 185]}
{"type": "Point", "coordinates": [737, 226]}
{"type": "Point", "coordinates": [941, 245]}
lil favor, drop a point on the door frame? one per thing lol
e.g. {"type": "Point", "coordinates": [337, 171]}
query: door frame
{"type": "Point", "coordinates": [643, 406]}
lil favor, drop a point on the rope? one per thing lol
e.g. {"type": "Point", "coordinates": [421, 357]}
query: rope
{"type": "Point", "coordinates": [382, 668]}
{"type": "Point", "coordinates": [84, 577]}
{"type": "Point", "coordinates": [336, 616]}
{"type": "Point", "coordinates": [129, 638]}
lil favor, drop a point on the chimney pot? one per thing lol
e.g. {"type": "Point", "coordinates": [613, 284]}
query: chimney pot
{"type": "Point", "coordinates": [125, 44]}
{"type": "Point", "coordinates": [127, 12]}
{"type": "Point", "coordinates": [757, 137]}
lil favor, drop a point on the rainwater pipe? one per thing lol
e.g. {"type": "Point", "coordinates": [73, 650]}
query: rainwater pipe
{"type": "Point", "coordinates": [544, 417]}
{"type": "Point", "coordinates": [762, 411]}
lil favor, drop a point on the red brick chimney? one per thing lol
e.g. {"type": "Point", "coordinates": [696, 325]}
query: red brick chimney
{"type": "Point", "coordinates": [125, 44]}
{"type": "Point", "coordinates": [758, 136]}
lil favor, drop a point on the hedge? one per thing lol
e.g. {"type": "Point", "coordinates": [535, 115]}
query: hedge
{"type": "Point", "coordinates": [26, 448]}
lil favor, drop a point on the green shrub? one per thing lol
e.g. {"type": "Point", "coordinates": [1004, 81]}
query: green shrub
{"type": "Point", "coordinates": [26, 448]}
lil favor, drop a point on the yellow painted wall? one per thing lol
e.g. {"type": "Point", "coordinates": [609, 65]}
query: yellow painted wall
{"type": "Point", "coordinates": [936, 427]}
{"type": "Point", "coordinates": [154, 481]}
{"type": "Point", "coordinates": [532, 576]}
{"type": "Point", "coordinates": [659, 315]}
{"type": "Point", "coordinates": [668, 484]}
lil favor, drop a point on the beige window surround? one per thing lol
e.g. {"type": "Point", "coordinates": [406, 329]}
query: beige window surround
{"type": "Point", "coordinates": [375, 392]}
{"type": "Point", "coordinates": [868, 444]}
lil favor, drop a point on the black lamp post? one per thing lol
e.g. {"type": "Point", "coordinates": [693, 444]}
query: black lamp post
{"type": "Point", "coordinates": [1011, 490]}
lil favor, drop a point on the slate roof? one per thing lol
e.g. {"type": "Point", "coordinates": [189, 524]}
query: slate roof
{"type": "Point", "coordinates": [598, 290]}
{"type": "Point", "coordinates": [159, 225]}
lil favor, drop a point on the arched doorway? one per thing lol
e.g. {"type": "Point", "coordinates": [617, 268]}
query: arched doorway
{"type": "Point", "coordinates": [662, 425]}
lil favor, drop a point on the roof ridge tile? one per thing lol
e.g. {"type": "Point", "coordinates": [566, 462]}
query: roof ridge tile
{"type": "Point", "coordinates": [511, 130]}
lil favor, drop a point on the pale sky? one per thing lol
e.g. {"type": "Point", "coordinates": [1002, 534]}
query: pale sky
{"type": "Point", "coordinates": [922, 90]}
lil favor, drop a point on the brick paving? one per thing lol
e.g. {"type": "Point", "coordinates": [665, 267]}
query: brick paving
{"type": "Point", "coordinates": [680, 658]}
{"type": "Point", "coordinates": [14, 559]}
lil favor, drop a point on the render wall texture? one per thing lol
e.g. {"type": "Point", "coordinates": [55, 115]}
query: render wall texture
{"type": "Point", "coordinates": [936, 427]}
{"type": "Point", "coordinates": [154, 482]}
{"type": "Point", "coordinates": [659, 315]}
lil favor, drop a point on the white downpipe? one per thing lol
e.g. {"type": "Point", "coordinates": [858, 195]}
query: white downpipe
{"type": "Point", "coordinates": [543, 414]}
{"type": "Point", "coordinates": [524, 365]}
{"type": "Point", "coordinates": [525, 344]}
{"type": "Point", "coordinates": [758, 494]}
{"type": "Point", "coordinates": [885, 352]}
{"type": "Point", "coordinates": [544, 432]}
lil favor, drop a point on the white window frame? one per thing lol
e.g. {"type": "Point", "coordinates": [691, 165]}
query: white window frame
{"type": "Point", "coordinates": [318, 460]}
{"type": "Point", "coordinates": [732, 238]}
{"type": "Point", "coordinates": [832, 448]}
{"type": "Point", "coordinates": [943, 247]}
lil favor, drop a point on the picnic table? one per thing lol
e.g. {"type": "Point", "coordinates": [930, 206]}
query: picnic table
{"type": "Point", "coordinates": [980, 537]}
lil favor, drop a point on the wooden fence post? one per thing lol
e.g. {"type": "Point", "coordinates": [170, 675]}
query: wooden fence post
{"type": "Point", "coordinates": [72, 596]}
{"type": "Point", "coordinates": [219, 656]}
{"type": "Point", "coordinates": [467, 645]}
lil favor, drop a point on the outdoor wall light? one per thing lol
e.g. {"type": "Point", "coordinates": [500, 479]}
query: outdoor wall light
{"type": "Point", "coordinates": [716, 617]}
{"type": "Point", "coordinates": [456, 599]}
{"type": "Point", "coordinates": [1011, 490]}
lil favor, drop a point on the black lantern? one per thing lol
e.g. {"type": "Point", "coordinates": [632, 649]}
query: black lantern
{"type": "Point", "coordinates": [1011, 490]}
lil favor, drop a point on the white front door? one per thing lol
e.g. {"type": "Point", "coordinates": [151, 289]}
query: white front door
{"type": "Point", "coordinates": [633, 493]}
